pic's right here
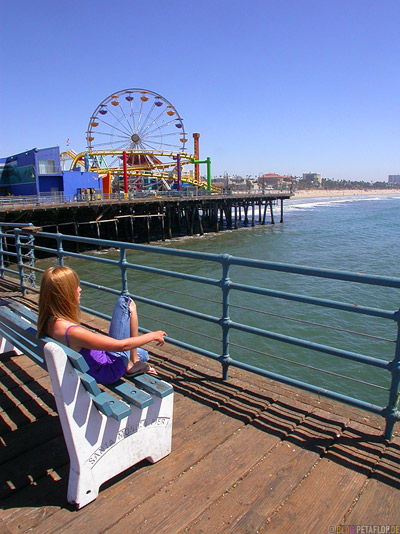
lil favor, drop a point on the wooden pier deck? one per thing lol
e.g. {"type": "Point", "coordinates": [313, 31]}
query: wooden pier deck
{"type": "Point", "coordinates": [248, 455]}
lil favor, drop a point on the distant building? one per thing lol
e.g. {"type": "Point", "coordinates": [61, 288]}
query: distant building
{"type": "Point", "coordinates": [234, 183]}
{"type": "Point", "coordinates": [277, 181]}
{"type": "Point", "coordinates": [221, 181]}
{"type": "Point", "coordinates": [188, 174]}
{"type": "Point", "coordinates": [312, 177]}
{"type": "Point", "coordinates": [38, 171]}
{"type": "Point", "coordinates": [394, 179]}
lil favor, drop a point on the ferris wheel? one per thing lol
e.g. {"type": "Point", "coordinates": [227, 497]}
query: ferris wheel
{"type": "Point", "coordinates": [138, 121]}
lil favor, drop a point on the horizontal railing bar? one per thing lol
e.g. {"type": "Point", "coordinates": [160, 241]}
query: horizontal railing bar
{"type": "Point", "coordinates": [299, 364]}
{"type": "Point", "coordinates": [373, 312]}
{"type": "Point", "coordinates": [7, 270]}
{"type": "Point", "coordinates": [163, 321]}
{"type": "Point", "coordinates": [318, 272]}
{"type": "Point", "coordinates": [152, 270]}
{"type": "Point", "coordinates": [12, 254]}
{"type": "Point", "coordinates": [132, 246]}
{"type": "Point", "coordinates": [79, 255]}
{"type": "Point", "coordinates": [15, 225]}
{"type": "Point", "coordinates": [295, 319]}
{"type": "Point", "coordinates": [173, 274]}
{"type": "Point", "coordinates": [169, 340]}
{"type": "Point", "coordinates": [106, 289]}
{"type": "Point", "coordinates": [163, 305]}
{"type": "Point", "coordinates": [175, 292]}
{"type": "Point", "coordinates": [310, 387]}
{"type": "Point", "coordinates": [190, 348]}
{"type": "Point", "coordinates": [176, 309]}
{"type": "Point", "coordinates": [310, 345]}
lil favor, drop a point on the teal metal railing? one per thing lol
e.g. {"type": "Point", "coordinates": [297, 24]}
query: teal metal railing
{"type": "Point", "coordinates": [19, 247]}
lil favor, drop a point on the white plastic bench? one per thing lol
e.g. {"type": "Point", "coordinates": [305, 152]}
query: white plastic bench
{"type": "Point", "coordinates": [104, 434]}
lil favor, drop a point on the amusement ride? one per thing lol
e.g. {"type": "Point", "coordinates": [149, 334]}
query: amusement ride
{"type": "Point", "coordinates": [138, 135]}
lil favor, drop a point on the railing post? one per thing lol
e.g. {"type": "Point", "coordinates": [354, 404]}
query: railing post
{"type": "Point", "coordinates": [20, 261]}
{"type": "Point", "coordinates": [394, 367]}
{"type": "Point", "coordinates": [60, 250]}
{"type": "Point", "coordinates": [225, 320]}
{"type": "Point", "coordinates": [122, 266]}
{"type": "Point", "coordinates": [31, 256]}
{"type": "Point", "coordinates": [1, 254]}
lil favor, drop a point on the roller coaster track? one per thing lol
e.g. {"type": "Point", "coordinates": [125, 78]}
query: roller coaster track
{"type": "Point", "coordinates": [156, 170]}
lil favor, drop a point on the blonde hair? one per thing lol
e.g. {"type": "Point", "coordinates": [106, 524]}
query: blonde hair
{"type": "Point", "coordinates": [58, 297]}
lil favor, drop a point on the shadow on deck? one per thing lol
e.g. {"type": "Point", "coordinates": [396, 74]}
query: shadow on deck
{"type": "Point", "coordinates": [248, 455]}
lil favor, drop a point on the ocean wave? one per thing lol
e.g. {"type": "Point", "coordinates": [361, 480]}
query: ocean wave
{"type": "Point", "coordinates": [309, 204]}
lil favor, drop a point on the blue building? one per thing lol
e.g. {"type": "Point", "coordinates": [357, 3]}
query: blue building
{"type": "Point", "coordinates": [38, 172]}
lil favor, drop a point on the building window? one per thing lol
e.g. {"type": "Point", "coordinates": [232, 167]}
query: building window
{"type": "Point", "coordinates": [47, 166]}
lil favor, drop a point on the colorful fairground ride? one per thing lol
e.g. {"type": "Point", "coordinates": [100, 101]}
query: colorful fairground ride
{"type": "Point", "coordinates": [136, 141]}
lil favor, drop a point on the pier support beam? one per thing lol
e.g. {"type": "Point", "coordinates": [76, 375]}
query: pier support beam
{"type": "Point", "coordinates": [265, 212]}
{"type": "Point", "coordinates": [272, 212]}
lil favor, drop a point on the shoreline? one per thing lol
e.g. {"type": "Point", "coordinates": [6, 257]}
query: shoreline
{"type": "Point", "coordinates": [317, 193]}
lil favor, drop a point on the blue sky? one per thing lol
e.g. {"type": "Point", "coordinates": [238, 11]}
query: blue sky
{"type": "Point", "coordinates": [286, 86]}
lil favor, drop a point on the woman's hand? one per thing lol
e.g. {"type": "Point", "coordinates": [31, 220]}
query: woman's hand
{"type": "Point", "coordinates": [159, 337]}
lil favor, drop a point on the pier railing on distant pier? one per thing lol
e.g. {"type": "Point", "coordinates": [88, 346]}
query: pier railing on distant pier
{"type": "Point", "coordinates": [59, 200]}
{"type": "Point", "coordinates": [20, 248]}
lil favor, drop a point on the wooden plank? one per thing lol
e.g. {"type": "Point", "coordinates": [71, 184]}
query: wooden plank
{"type": "Point", "coordinates": [359, 447]}
{"type": "Point", "coordinates": [319, 431]}
{"type": "Point", "coordinates": [234, 401]}
{"type": "Point", "coordinates": [120, 498]}
{"type": "Point", "coordinates": [377, 505]}
{"type": "Point", "coordinates": [320, 502]}
{"type": "Point", "coordinates": [334, 485]}
{"type": "Point", "coordinates": [28, 467]}
{"type": "Point", "coordinates": [246, 506]}
{"type": "Point", "coordinates": [22, 415]}
{"type": "Point", "coordinates": [29, 437]}
{"type": "Point", "coordinates": [25, 510]}
{"type": "Point", "coordinates": [12, 375]}
{"type": "Point", "coordinates": [280, 419]}
{"type": "Point", "coordinates": [22, 395]}
{"type": "Point", "coordinates": [187, 496]}
{"type": "Point", "coordinates": [186, 413]}
{"type": "Point", "coordinates": [3, 527]}
{"type": "Point", "coordinates": [15, 363]}
{"type": "Point", "coordinates": [388, 468]}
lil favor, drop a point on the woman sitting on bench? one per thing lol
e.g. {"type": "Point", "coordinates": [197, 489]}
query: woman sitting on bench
{"type": "Point", "coordinates": [109, 357]}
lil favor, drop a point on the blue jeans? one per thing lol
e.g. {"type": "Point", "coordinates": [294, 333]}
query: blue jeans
{"type": "Point", "coordinates": [120, 328]}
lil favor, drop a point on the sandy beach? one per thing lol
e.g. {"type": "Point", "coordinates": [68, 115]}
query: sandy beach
{"type": "Point", "coordinates": [316, 193]}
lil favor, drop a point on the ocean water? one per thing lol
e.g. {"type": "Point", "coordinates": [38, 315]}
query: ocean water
{"type": "Point", "coordinates": [359, 234]}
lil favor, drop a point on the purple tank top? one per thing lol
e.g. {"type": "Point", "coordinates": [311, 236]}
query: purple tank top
{"type": "Point", "coordinates": [104, 367]}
